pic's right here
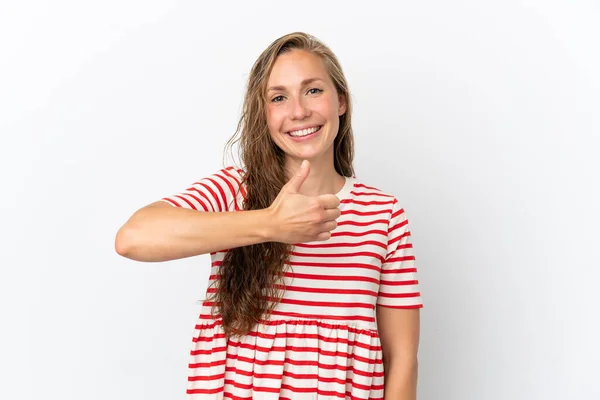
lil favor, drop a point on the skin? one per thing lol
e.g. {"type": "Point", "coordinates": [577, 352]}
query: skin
{"type": "Point", "coordinates": [293, 102]}
{"type": "Point", "coordinates": [399, 331]}
{"type": "Point", "coordinates": [301, 93]}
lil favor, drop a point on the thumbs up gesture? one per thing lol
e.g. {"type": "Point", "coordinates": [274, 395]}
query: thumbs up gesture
{"type": "Point", "coordinates": [298, 218]}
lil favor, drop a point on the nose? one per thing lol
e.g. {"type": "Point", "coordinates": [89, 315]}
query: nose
{"type": "Point", "coordinates": [299, 109]}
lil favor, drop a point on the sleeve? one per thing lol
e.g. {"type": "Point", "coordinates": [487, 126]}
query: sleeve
{"type": "Point", "coordinates": [399, 284]}
{"type": "Point", "coordinates": [218, 192]}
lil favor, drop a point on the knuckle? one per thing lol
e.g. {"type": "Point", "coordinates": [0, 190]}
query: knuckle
{"type": "Point", "coordinates": [318, 216]}
{"type": "Point", "coordinates": [315, 203]}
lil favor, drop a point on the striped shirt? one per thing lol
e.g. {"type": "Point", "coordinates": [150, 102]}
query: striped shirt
{"type": "Point", "coordinates": [321, 340]}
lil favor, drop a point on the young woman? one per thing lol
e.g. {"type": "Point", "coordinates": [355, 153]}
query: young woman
{"type": "Point", "coordinates": [313, 292]}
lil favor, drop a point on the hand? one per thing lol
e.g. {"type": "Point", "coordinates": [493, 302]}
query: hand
{"type": "Point", "coordinates": [298, 218]}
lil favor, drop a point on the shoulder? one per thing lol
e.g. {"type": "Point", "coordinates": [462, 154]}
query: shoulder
{"type": "Point", "coordinates": [373, 194]}
{"type": "Point", "coordinates": [230, 172]}
{"type": "Point", "coordinates": [376, 197]}
{"type": "Point", "coordinates": [229, 176]}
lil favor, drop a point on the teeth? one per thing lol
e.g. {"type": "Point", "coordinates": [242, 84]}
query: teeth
{"type": "Point", "coordinates": [304, 132]}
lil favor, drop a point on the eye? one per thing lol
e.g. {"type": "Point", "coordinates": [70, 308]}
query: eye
{"type": "Point", "coordinates": [314, 91]}
{"type": "Point", "coordinates": [275, 99]}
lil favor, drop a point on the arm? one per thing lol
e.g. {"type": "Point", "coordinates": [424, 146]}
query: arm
{"type": "Point", "coordinates": [398, 310]}
{"type": "Point", "coordinates": [399, 331]}
{"type": "Point", "coordinates": [202, 220]}
{"type": "Point", "coordinates": [161, 232]}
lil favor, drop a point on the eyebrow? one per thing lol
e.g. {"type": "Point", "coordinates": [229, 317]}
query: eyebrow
{"type": "Point", "coordinates": [303, 83]}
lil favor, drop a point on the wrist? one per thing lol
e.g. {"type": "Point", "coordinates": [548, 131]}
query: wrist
{"type": "Point", "coordinates": [266, 226]}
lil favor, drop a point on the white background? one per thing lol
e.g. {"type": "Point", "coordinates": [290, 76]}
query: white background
{"type": "Point", "coordinates": [481, 117]}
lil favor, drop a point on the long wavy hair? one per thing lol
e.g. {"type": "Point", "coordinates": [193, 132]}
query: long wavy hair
{"type": "Point", "coordinates": [250, 281]}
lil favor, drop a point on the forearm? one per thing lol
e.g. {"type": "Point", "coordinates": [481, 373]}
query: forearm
{"type": "Point", "coordinates": [401, 380]}
{"type": "Point", "coordinates": [167, 233]}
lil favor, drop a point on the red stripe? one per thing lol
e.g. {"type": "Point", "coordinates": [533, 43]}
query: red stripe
{"type": "Point", "coordinates": [400, 259]}
{"type": "Point", "coordinates": [368, 374]}
{"type": "Point", "coordinates": [303, 336]}
{"type": "Point", "coordinates": [348, 369]}
{"type": "Point", "coordinates": [313, 363]}
{"type": "Point", "coordinates": [348, 396]}
{"type": "Point", "coordinates": [176, 204]}
{"type": "Point", "coordinates": [348, 278]}
{"type": "Point", "coordinates": [335, 265]}
{"type": "Point", "coordinates": [348, 380]}
{"type": "Point", "coordinates": [317, 304]}
{"type": "Point", "coordinates": [398, 226]}
{"type": "Point", "coordinates": [366, 213]}
{"type": "Point", "coordinates": [337, 255]}
{"type": "Point", "coordinates": [321, 316]}
{"type": "Point", "coordinates": [180, 198]}
{"type": "Point", "coordinates": [207, 364]}
{"type": "Point", "coordinates": [403, 246]}
{"type": "Point", "coordinates": [355, 234]}
{"type": "Point", "coordinates": [231, 189]}
{"type": "Point", "coordinates": [327, 290]}
{"type": "Point", "coordinates": [342, 326]}
{"type": "Point", "coordinates": [320, 392]}
{"type": "Point", "coordinates": [309, 303]}
{"type": "Point", "coordinates": [195, 198]}
{"type": "Point", "coordinates": [206, 377]}
{"type": "Point", "coordinates": [198, 352]}
{"type": "Point", "coordinates": [362, 185]}
{"type": "Point", "coordinates": [240, 173]}
{"type": "Point", "coordinates": [371, 194]}
{"type": "Point", "coordinates": [343, 244]}
{"type": "Point", "coordinates": [223, 197]}
{"type": "Point", "coordinates": [299, 349]}
{"type": "Point", "coordinates": [398, 295]}
{"type": "Point", "coordinates": [400, 283]}
{"type": "Point", "coordinates": [407, 245]}
{"type": "Point", "coordinates": [238, 185]}
{"type": "Point", "coordinates": [213, 194]}
{"type": "Point", "coordinates": [209, 317]}
{"type": "Point", "coordinates": [205, 391]}
{"type": "Point", "coordinates": [366, 203]}
{"type": "Point", "coordinates": [398, 212]}
{"type": "Point", "coordinates": [201, 193]}
{"type": "Point", "coordinates": [398, 271]}
{"type": "Point", "coordinates": [234, 397]}
{"type": "Point", "coordinates": [209, 339]}
{"type": "Point", "coordinates": [356, 223]}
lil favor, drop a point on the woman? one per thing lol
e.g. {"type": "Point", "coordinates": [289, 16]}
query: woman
{"type": "Point", "coordinates": [313, 291]}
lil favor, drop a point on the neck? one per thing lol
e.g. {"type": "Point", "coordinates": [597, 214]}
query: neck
{"type": "Point", "coordinates": [322, 179]}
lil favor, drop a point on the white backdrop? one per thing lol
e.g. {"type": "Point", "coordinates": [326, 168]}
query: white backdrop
{"type": "Point", "coordinates": [481, 117]}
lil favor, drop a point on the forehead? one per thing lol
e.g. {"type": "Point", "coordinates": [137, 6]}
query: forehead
{"type": "Point", "coordinates": [292, 67]}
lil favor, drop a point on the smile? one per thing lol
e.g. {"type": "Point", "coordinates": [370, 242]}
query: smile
{"type": "Point", "coordinates": [305, 132]}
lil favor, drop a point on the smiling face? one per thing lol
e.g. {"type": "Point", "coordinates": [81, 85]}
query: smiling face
{"type": "Point", "coordinates": [303, 106]}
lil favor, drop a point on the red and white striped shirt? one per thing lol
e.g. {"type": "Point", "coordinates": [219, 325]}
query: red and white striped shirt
{"type": "Point", "coordinates": [321, 340]}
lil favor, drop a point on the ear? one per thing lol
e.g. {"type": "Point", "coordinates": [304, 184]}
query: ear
{"type": "Point", "coordinates": [342, 107]}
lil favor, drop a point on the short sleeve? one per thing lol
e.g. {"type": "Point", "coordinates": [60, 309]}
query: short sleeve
{"type": "Point", "coordinates": [399, 284]}
{"type": "Point", "coordinates": [221, 191]}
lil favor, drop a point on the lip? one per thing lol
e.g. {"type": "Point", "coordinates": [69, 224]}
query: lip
{"type": "Point", "coordinates": [303, 127]}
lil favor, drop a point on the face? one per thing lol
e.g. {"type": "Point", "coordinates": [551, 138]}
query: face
{"type": "Point", "coordinates": [303, 106]}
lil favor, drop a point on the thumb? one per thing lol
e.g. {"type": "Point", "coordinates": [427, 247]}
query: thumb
{"type": "Point", "coordinates": [298, 179]}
